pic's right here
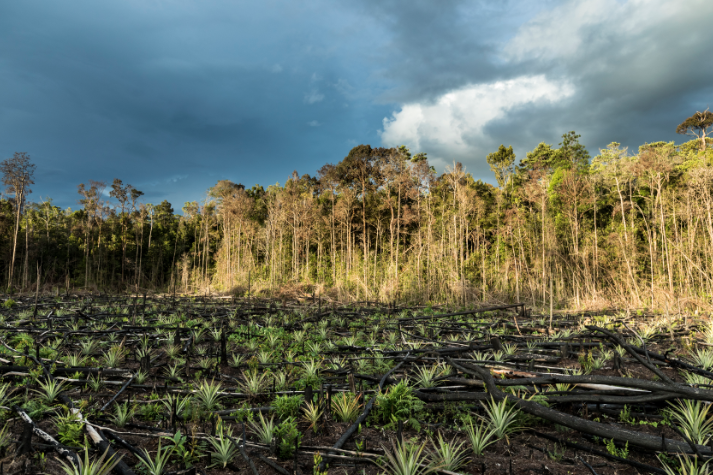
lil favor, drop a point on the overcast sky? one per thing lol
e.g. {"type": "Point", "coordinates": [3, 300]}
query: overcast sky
{"type": "Point", "coordinates": [173, 95]}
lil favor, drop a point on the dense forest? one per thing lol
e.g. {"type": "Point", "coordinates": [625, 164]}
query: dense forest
{"type": "Point", "coordinates": [561, 228]}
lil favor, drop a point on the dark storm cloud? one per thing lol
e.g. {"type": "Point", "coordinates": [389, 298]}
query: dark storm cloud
{"type": "Point", "coordinates": [146, 91]}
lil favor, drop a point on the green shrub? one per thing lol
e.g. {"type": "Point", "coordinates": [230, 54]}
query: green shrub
{"type": "Point", "coordinates": [288, 437]}
{"type": "Point", "coordinates": [398, 403]}
{"type": "Point", "coordinates": [70, 428]}
{"type": "Point", "coordinates": [287, 406]}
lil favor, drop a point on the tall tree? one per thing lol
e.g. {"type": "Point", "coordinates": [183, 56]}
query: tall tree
{"type": "Point", "coordinates": [697, 125]}
{"type": "Point", "coordinates": [126, 195]}
{"type": "Point", "coordinates": [91, 199]}
{"type": "Point", "coordinates": [501, 163]}
{"type": "Point", "coordinates": [18, 174]}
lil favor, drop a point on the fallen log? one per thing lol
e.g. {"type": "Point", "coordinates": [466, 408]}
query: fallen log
{"type": "Point", "coordinates": [644, 441]}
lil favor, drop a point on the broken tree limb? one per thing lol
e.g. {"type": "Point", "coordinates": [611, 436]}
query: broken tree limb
{"type": "Point", "coordinates": [638, 439]}
{"type": "Point", "coordinates": [619, 341]}
{"type": "Point", "coordinates": [64, 452]}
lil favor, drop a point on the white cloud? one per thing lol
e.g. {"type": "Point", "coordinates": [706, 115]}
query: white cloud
{"type": "Point", "coordinates": [313, 123]}
{"type": "Point", "coordinates": [452, 126]}
{"type": "Point", "coordinates": [574, 27]}
{"type": "Point", "coordinates": [313, 96]}
{"type": "Point", "coordinates": [276, 68]}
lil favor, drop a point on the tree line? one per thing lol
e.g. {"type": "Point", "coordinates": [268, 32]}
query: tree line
{"type": "Point", "coordinates": [560, 228]}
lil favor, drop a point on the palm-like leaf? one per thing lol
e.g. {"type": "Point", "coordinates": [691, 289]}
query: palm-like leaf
{"type": "Point", "coordinates": [91, 467]}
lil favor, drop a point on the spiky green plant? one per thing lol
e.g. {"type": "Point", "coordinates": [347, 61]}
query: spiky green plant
{"type": "Point", "coordinates": [264, 356]}
{"type": "Point", "coordinates": [206, 363]}
{"type": "Point", "coordinates": [144, 352]}
{"type": "Point", "coordinates": [509, 349]}
{"type": "Point", "coordinates": [91, 467]}
{"type": "Point", "coordinates": [88, 346]}
{"type": "Point", "coordinates": [122, 414]}
{"type": "Point", "coordinates": [501, 418]}
{"type": "Point", "coordinates": [687, 466]}
{"type": "Point", "coordinates": [236, 360]}
{"type": "Point", "coordinates": [94, 382]}
{"type": "Point", "coordinates": [253, 382]}
{"type": "Point", "coordinates": [208, 395]}
{"type": "Point", "coordinates": [158, 464]}
{"type": "Point", "coordinates": [480, 437]}
{"type": "Point", "coordinates": [695, 379]}
{"type": "Point", "coordinates": [281, 381]}
{"type": "Point", "coordinates": [448, 455]}
{"type": "Point", "coordinates": [197, 335]}
{"type": "Point", "coordinates": [693, 420]}
{"type": "Point", "coordinates": [75, 359]}
{"type": "Point", "coordinates": [311, 415]}
{"type": "Point", "coordinates": [406, 459]}
{"type": "Point", "coordinates": [173, 370]}
{"type": "Point", "coordinates": [314, 347]}
{"type": "Point", "coordinates": [265, 430]}
{"type": "Point", "coordinates": [49, 390]}
{"type": "Point", "coordinates": [345, 407]}
{"type": "Point", "coordinates": [172, 351]}
{"type": "Point", "coordinates": [426, 376]}
{"type": "Point", "coordinates": [175, 400]}
{"type": "Point", "coordinates": [481, 356]}
{"type": "Point", "coordinates": [703, 358]}
{"type": "Point", "coordinates": [224, 450]}
{"type": "Point", "coordinates": [5, 399]}
{"type": "Point", "coordinates": [113, 357]}
{"type": "Point", "coordinates": [140, 377]}
{"type": "Point", "coordinates": [311, 368]}
{"type": "Point", "coordinates": [6, 438]}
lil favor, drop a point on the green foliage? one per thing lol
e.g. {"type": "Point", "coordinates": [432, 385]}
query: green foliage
{"type": "Point", "coordinates": [9, 303]}
{"type": "Point", "coordinates": [317, 460]}
{"type": "Point", "coordinates": [312, 415]}
{"type": "Point", "coordinates": [501, 163]}
{"type": "Point", "coordinates": [288, 437]}
{"type": "Point", "coordinates": [70, 428]}
{"type": "Point", "coordinates": [149, 412]}
{"type": "Point", "coordinates": [398, 403]}
{"type": "Point", "coordinates": [49, 390]}
{"type": "Point", "coordinates": [186, 452]}
{"type": "Point", "coordinates": [615, 451]}
{"type": "Point", "coordinates": [6, 439]}
{"type": "Point", "coordinates": [287, 406]}
{"type": "Point", "coordinates": [625, 415]}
